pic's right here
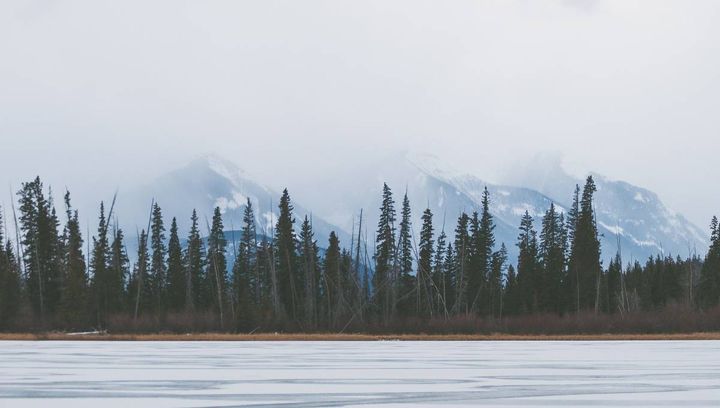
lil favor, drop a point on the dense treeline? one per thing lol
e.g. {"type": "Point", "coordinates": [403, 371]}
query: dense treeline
{"type": "Point", "coordinates": [50, 278]}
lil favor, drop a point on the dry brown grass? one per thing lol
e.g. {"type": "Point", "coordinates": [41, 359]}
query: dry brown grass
{"type": "Point", "coordinates": [355, 337]}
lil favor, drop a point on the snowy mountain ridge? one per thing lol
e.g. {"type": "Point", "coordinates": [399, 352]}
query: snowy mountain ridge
{"type": "Point", "coordinates": [629, 215]}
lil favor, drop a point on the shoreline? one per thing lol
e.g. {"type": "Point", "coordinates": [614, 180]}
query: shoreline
{"type": "Point", "coordinates": [57, 336]}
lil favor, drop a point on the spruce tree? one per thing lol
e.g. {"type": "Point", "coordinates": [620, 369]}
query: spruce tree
{"type": "Point", "coordinates": [384, 279]}
{"type": "Point", "coordinates": [247, 285]}
{"type": "Point", "coordinates": [310, 272]}
{"type": "Point", "coordinates": [332, 281]}
{"type": "Point", "coordinates": [584, 267]}
{"type": "Point", "coordinates": [241, 297]}
{"type": "Point", "coordinates": [528, 270]}
{"type": "Point", "coordinates": [439, 275]}
{"type": "Point", "coordinates": [216, 272]}
{"type": "Point", "coordinates": [176, 275]}
{"type": "Point", "coordinates": [140, 286]}
{"type": "Point", "coordinates": [9, 280]}
{"type": "Point", "coordinates": [41, 255]}
{"type": "Point", "coordinates": [405, 288]}
{"type": "Point", "coordinates": [495, 285]}
{"type": "Point", "coordinates": [476, 269]}
{"type": "Point", "coordinates": [552, 253]}
{"type": "Point", "coordinates": [289, 283]}
{"type": "Point", "coordinates": [425, 267]}
{"type": "Point", "coordinates": [449, 283]}
{"type": "Point", "coordinates": [195, 295]}
{"type": "Point", "coordinates": [709, 289]}
{"type": "Point", "coordinates": [482, 244]}
{"type": "Point", "coordinates": [99, 264]}
{"type": "Point", "coordinates": [512, 297]}
{"type": "Point", "coordinates": [118, 273]}
{"type": "Point", "coordinates": [75, 288]}
{"type": "Point", "coordinates": [158, 268]}
{"type": "Point", "coordinates": [614, 275]}
{"type": "Point", "coordinates": [460, 265]}
{"type": "Point", "coordinates": [247, 255]}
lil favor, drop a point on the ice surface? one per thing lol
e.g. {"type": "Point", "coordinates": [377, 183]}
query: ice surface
{"type": "Point", "coordinates": [359, 374]}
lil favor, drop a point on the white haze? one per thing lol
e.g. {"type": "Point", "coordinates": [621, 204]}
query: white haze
{"type": "Point", "coordinates": [96, 95]}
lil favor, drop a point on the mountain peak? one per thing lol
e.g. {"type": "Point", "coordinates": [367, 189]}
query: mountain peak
{"type": "Point", "coordinates": [432, 165]}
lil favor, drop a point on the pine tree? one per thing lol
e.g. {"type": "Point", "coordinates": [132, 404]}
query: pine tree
{"type": "Point", "coordinates": [176, 275]}
{"type": "Point", "coordinates": [425, 267]}
{"type": "Point", "coordinates": [195, 295]}
{"type": "Point", "coordinates": [75, 288]}
{"type": "Point", "coordinates": [289, 283]}
{"type": "Point", "coordinates": [405, 288]}
{"type": "Point", "coordinates": [528, 270]}
{"type": "Point", "coordinates": [216, 271]}
{"type": "Point", "coordinates": [383, 279]}
{"type": "Point", "coordinates": [158, 268]}
{"type": "Point", "coordinates": [709, 290]}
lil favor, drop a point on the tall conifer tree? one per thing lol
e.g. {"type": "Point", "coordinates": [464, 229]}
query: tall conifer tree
{"type": "Point", "coordinates": [425, 266]}
{"type": "Point", "coordinates": [405, 286]}
{"type": "Point", "coordinates": [709, 290]}
{"type": "Point", "coordinates": [99, 264]}
{"type": "Point", "coordinates": [552, 253]}
{"type": "Point", "coordinates": [119, 272]}
{"type": "Point", "coordinates": [216, 271]}
{"type": "Point", "coordinates": [75, 288]}
{"type": "Point", "coordinates": [528, 270]}
{"type": "Point", "coordinates": [584, 266]}
{"type": "Point", "coordinates": [289, 281]}
{"type": "Point", "coordinates": [310, 272]}
{"type": "Point", "coordinates": [176, 274]}
{"type": "Point", "coordinates": [158, 267]}
{"type": "Point", "coordinates": [40, 241]}
{"type": "Point", "coordinates": [195, 295]}
{"type": "Point", "coordinates": [9, 279]}
{"type": "Point", "coordinates": [140, 288]}
{"type": "Point", "coordinates": [384, 279]}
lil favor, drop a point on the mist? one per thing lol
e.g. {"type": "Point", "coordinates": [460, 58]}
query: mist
{"type": "Point", "coordinates": [96, 96]}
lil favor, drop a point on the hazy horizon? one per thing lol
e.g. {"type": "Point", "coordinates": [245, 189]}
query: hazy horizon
{"type": "Point", "coordinates": [103, 94]}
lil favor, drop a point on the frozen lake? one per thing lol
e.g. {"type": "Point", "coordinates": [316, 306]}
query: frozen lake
{"type": "Point", "coordinates": [359, 374]}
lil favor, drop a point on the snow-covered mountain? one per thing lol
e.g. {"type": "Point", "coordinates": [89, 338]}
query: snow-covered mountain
{"type": "Point", "coordinates": [629, 215]}
{"type": "Point", "coordinates": [636, 216]}
{"type": "Point", "coordinates": [626, 214]}
{"type": "Point", "coordinates": [206, 183]}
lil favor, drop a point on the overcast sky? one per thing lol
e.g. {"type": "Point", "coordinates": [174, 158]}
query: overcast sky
{"type": "Point", "coordinates": [119, 91]}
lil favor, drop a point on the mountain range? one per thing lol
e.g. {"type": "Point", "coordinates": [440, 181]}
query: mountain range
{"type": "Point", "coordinates": [629, 218]}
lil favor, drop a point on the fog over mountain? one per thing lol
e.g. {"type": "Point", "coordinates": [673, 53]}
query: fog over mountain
{"type": "Point", "coordinates": [631, 216]}
{"type": "Point", "coordinates": [98, 96]}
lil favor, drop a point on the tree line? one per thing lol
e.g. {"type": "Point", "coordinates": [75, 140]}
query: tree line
{"type": "Point", "coordinates": [51, 278]}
